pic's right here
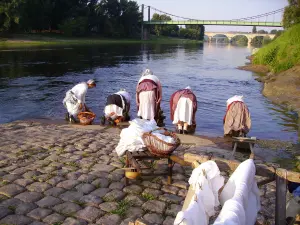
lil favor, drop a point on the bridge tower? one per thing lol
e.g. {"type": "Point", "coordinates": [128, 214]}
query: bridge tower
{"type": "Point", "coordinates": [145, 30]}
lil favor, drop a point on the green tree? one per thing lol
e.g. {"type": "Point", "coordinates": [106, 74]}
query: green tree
{"type": "Point", "coordinates": [262, 32]}
{"type": "Point", "coordinates": [9, 14]}
{"type": "Point", "coordinates": [240, 40]}
{"type": "Point", "coordinates": [273, 31]}
{"type": "Point", "coordinates": [291, 14]}
{"type": "Point", "coordinates": [254, 31]}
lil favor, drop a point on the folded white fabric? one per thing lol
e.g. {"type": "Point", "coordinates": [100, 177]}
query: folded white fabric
{"type": "Point", "coordinates": [131, 137]}
{"type": "Point", "coordinates": [165, 138]}
{"type": "Point", "coordinates": [241, 187]}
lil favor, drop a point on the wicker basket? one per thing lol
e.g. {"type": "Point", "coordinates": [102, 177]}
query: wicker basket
{"type": "Point", "coordinates": [86, 118]}
{"type": "Point", "coordinates": [159, 147]}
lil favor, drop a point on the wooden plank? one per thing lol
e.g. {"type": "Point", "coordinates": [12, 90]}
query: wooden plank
{"type": "Point", "coordinates": [261, 169]}
{"type": "Point", "coordinates": [133, 162]}
{"type": "Point", "coordinates": [180, 161]}
{"type": "Point", "coordinates": [280, 208]}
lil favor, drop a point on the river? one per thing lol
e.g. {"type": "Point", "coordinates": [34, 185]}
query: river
{"type": "Point", "coordinates": [33, 82]}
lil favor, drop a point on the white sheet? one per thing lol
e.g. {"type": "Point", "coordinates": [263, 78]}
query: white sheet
{"type": "Point", "coordinates": [113, 108]}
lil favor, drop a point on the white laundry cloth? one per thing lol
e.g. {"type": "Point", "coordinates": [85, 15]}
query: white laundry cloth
{"type": "Point", "coordinates": [184, 111]}
{"type": "Point", "coordinates": [131, 137]}
{"type": "Point", "coordinates": [193, 215]}
{"type": "Point", "coordinates": [113, 108]}
{"type": "Point", "coordinates": [242, 186]}
{"type": "Point", "coordinates": [165, 138]}
{"type": "Point", "coordinates": [236, 98]}
{"type": "Point", "coordinates": [147, 105]}
{"type": "Point", "coordinates": [71, 103]}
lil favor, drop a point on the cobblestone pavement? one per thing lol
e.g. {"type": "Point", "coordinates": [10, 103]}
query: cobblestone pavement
{"type": "Point", "coordinates": [58, 174]}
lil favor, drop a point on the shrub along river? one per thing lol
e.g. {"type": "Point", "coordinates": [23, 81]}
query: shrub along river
{"type": "Point", "coordinates": [33, 82]}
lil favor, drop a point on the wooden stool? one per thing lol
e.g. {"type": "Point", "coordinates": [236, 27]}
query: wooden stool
{"type": "Point", "coordinates": [236, 140]}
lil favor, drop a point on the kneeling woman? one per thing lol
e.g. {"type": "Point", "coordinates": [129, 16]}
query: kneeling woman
{"type": "Point", "coordinates": [148, 96]}
{"type": "Point", "coordinates": [117, 107]}
{"type": "Point", "coordinates": [237, 120]}
{"type": "Point", "coordinates": [183, 107]}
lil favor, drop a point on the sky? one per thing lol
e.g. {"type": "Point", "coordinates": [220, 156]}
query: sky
{"type": "Point", "coordinates": [219, 10]}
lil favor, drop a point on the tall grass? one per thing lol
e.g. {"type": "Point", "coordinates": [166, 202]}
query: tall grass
{"type": "Point", "coordinates": [282, 53]}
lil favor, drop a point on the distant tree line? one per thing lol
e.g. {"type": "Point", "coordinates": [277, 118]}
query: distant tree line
{"type": "Point", "coordinates": [110, 18]}
{"type": "Point", "coordinates": [195, 32]}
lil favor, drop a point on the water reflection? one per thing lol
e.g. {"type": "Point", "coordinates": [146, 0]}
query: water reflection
{"type": "Point", "coordinates": [33, 82]}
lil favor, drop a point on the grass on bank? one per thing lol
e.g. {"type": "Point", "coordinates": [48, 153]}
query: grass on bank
{"type": "Point", "coordinates": [20, 40]}
{"type": "Point", "coordinates": [282, 53]}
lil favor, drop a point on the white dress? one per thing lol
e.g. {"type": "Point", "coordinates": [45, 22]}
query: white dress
{"type": "Point", "coordinates": [184, 111]}
{"type": "Point", "coordinates": [147, 105]}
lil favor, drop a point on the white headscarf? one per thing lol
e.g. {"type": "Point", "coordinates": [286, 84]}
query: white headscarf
{"type": "Point", "coordinates": [188, 87]}
{"type": "Point", "coordinates": [236, 98]}
{"type": "Point", "coordinates": [147, 72]}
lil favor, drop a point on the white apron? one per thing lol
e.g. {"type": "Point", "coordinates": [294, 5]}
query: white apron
{"type": "Point", "coordinates": [184, 111]}
{"type": "Point", "coordinates": [147, 105]}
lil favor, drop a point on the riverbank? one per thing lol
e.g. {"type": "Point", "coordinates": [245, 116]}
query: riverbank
{"type": "Point", "coordinates": [44, 40]}
{"type": "Point", "coordinates": [71, 174]}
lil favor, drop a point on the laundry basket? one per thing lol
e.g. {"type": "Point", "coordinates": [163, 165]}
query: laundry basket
{"type": "Point", "coordinates": [159, 147]}
{"type": "Point", "coordinates": [86, 118]}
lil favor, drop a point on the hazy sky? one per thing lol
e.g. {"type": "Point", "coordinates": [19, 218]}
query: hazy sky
{"type": "Point", "coordinates": [219, 10]}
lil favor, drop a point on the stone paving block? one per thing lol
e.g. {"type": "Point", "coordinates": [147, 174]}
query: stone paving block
{"type": "Point", "coordinates": [180, 184]}
{"type": "Point", "coordinates": [91, 200]}
{"type": "Point", "coordinates": [115, 176]}
{"type": "Point", "coordinates": [133, 189]}
{"type": "Point", "coordinates": [154, 206]}
{"type": "Point", "coordinates": [31, 174]}
{"type": "Point", "coordinates": [169, 221]}
{"type": "Point", "coordinates": [4, 212]}
{"type": "Point", "coordinates": [48, 201]}
{"type": "Point", "coordinates": [103, 168]}
{"type": "Point", "coordinates": [16, 219]}
{"type": "Point", "coordinates": [87, 178]}
{"type": "Point", "coordinates": [68, 184]}
{"type": "Point", "coordinates": [100, 192]}
{"type": "Point", "coordinates": [55, 180]}
{"type": "Point", "coordinates": [55, 191]}
{"type": "Point", "coordinates": [170, 189]}
{"type": "Point", "coordinates": [38, 187]}
{"type": "Point", "coordinates": [72, 221]}
{"type": "Point", "coordinates": [149, 184]}
{"type": "Point", "coordinates": [117, 186]}
{"type": "Point", "coordinates": [135, 200]}
{"type": "Point", "coordinates": [37, 223]}
{"type": "Point", "coordinates": [108, 206]}
{"type": "Point", "coordinates": [11, 177]}
{"type": "Point", "coordinates": [19, 171]}
{"type": "Point", "coordinates": [173, 209]}
{"type": "Point", "coordinates": [29, 196]}
{"type": "Point", "coordinates": [182, 193]}
{"type": "Point", "coordinates": [148, 192]}
{"type": "Point", "coordinates": [10, 202]}
{"type": "Point", "coordinates": [134, 212]}
{"type": "Point", "coordinates": [100, 183]}
{"type": "Point", "coordinates": [153, 218]}
{"type": "Point", "coordinates": [71, 196]}
{"type": "Point", "coordinates": [24, 208]}
{"type": "Point", "coordinates": [89, 214]}
{"type": "Point", "coordinates": [54, 218]}
{"type": "Point", "coordinates": [11, 190]}
{"type": "Point", "coordinates": [114, 195]}
{"type": "Point", "coordinates": [85, 188]}
{"type": "Point", "coordinates": [109, 220]}
{"type": "Point", "coordinates": [67, 208]}
{"type": "Point", "coordinates": [39, 213]}
{"type": "Point", "coordinates": [128, 221]}
{"type": "Point", "coordinates": [169, 198]}
{"type": "Point", "coordinates": [23, 182]}
{"type": "Point", "coordinates": [73, 175]}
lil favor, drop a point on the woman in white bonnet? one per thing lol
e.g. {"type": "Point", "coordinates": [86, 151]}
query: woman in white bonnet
{"type": "Point", "coordinates": [75, 99]}
{"type": "Point", "coordinates": [183, 107]}
{"type": "Point", "coordinates": [148, 95]}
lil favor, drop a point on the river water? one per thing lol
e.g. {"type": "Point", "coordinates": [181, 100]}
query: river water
{"type": "Point", "coordinates": [33, 82]}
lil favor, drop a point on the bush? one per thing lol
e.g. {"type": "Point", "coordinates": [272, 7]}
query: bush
{"type": "Point", "coordinates": [282, 53]}
{"type": "Point", "coordinates": [74, 26]}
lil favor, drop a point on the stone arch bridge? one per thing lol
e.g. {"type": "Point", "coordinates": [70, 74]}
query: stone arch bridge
{"type": "Point", "coordinates": [230, 35]}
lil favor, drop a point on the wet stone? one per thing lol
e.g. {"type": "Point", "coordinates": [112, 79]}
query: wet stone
{"type": "Point", "coordinates": [170, 189]}
{"type": "Point", "coordinates": [89, 214]}
{"type": "Point", "coordinates": [37, 223]}
{"type": "Point", "coordinates": [153, 218]}
{"type": "Point", "coordinates": [48, 201]}
{"type": "Point", "coordinates": [170, 198]}
{"type": "Point", "coordinates": [54, 218]}
{"type": "Point", "coordinates": [72, 221]}
{"type": "Point", "coordinates": [31, 174]}
{"type": "Point", "coordinates": [151, 192]}
{"type": "Point", "coordinates": [101, 192]}
{"type": "Point", "coordinates": [16, 219]}
{"type": "Point", "coordinates": [55, 191]}
{"type": "Point", "coordinates": [115, 176]}
{"type": "Point", "coordinates": [182, 193]}
{"type": "Point", "coordinates": [108, 206]}
{"type": "Point", "coordinates": [68, 184]}
{"type": "Point", "coordinates": [173, 209]}
{"type": "Point", "coordinates": [85, 188]}
{"type": "Point", "coordinates": [67, 208]}
{"type": "Point", "coordinates": [154, 206]}
{"type": "Point", "coordinates": [71, 196]}
{"type": "Point", "coordinates": [169, 221]}
{"type": "Point", "coordinates": [114, 195]}
{"type": "Point", "coordinates": [39, 213]}
{"type": "Point", "coordinates": [133, 189]}
{"type": "Point", "coordinates": [73, 175]}
{"type": "Point", "coordinates": [149, 184]}
{"type": "Point", "coordinates": [29, 196]}
{"type": "Point", "coordinates": [24, 208]}
{"type": "Point", "coordinates": [23, 182]}
{"type": "Point", "coordinates": [11, 190]}
{"type": "Point", "coordinates": [38, 187]}
{"type": "Point", "coordinates": [91, 200]}
{"type": "Point", "coordinates": [135, 200]}
{"type": "Point", "coordinates": [116, 186]}
{"type": "Point", "coordinates": [109, 220]}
